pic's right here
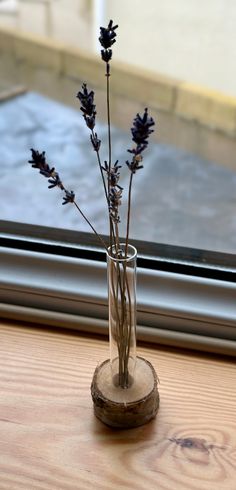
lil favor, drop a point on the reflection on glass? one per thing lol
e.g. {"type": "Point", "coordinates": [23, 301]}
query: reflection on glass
{"type": "Point", "coordinates": [179, 197]}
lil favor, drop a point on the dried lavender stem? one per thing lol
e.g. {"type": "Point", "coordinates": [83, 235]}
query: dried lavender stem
{"type": "Point", "coordinates": [112, 234]}
{"type": "Point", "coordinates": [128, 215]}
{"type": "Point", "coordinates": [100, 166]}
{"type": "Point", "coordinates": [86, 219]}
{"type": "Point", "coordinates": [117, 237]}
{"type": "Point", "coordinates": [108, 115]}
{"type": "Point", "coordinates": [105, 188]}
{"type": "Point", "coordinates": [91, 226]}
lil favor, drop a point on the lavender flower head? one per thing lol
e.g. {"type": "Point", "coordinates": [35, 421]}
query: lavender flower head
{"type": "Point", "coordinates": [140, 132]}
{"type": "Point", "coordinates": [69, 197]}
{"type": "Point", "coordinates": [115, 190]}
{"type": "Point", "coordinates": [107, 39]}
{"type": "Point", "coordinates": [38, 160]}
{"type": "Point", "coordinates": [141, 129]}
{"type": "Point", "coordinates": [115, 196]}
{"type": "Point", "coordinates": [87, 106]}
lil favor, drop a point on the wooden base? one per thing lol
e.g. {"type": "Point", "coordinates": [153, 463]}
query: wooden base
{"type": "Point", "coordinates": [125, 408]}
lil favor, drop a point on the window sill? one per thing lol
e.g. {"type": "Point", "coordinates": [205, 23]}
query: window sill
{"type": "Point", "coordinates": [45, 396]}
{"type": "Point", "coordinates": [175, 309]}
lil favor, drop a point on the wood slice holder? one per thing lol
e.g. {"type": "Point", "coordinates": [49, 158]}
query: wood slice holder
{"type": "Point", "coordinates": [125, 408]}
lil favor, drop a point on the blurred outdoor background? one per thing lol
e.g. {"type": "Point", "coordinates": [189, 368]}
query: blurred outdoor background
{"type": "Point", "coordinates": [188, 39]}
{"type": "Point", "coordinates": [177, 58]}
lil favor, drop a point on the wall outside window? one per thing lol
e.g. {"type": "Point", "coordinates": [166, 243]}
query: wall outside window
{"type": "Point", "coordinates": [188, 40]}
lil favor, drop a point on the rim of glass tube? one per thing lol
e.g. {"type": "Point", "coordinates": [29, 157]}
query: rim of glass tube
{"type": "Point", "coordinates": [132, 253]}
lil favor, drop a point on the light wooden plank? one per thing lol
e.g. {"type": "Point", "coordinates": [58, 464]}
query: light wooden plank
{"type": "Point", "coordinates": [50, 439]}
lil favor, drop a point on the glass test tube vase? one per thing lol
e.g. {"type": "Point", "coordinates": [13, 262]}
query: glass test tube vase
{"type": "Point", "coordinates": [124, 387]}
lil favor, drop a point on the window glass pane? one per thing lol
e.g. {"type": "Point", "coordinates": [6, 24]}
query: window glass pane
{"type": "Point", "coordinates": [165, 59]}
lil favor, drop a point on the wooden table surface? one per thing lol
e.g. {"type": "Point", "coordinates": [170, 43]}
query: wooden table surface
{"type": "Point", "coordinates": [50, 439]}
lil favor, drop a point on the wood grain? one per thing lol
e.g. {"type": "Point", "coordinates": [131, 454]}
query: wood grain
{"type": "Point", "coordinates": [50, 439]}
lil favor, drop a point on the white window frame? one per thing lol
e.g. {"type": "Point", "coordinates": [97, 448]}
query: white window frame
{"type": "Point", "coordinates": [173, 308]}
